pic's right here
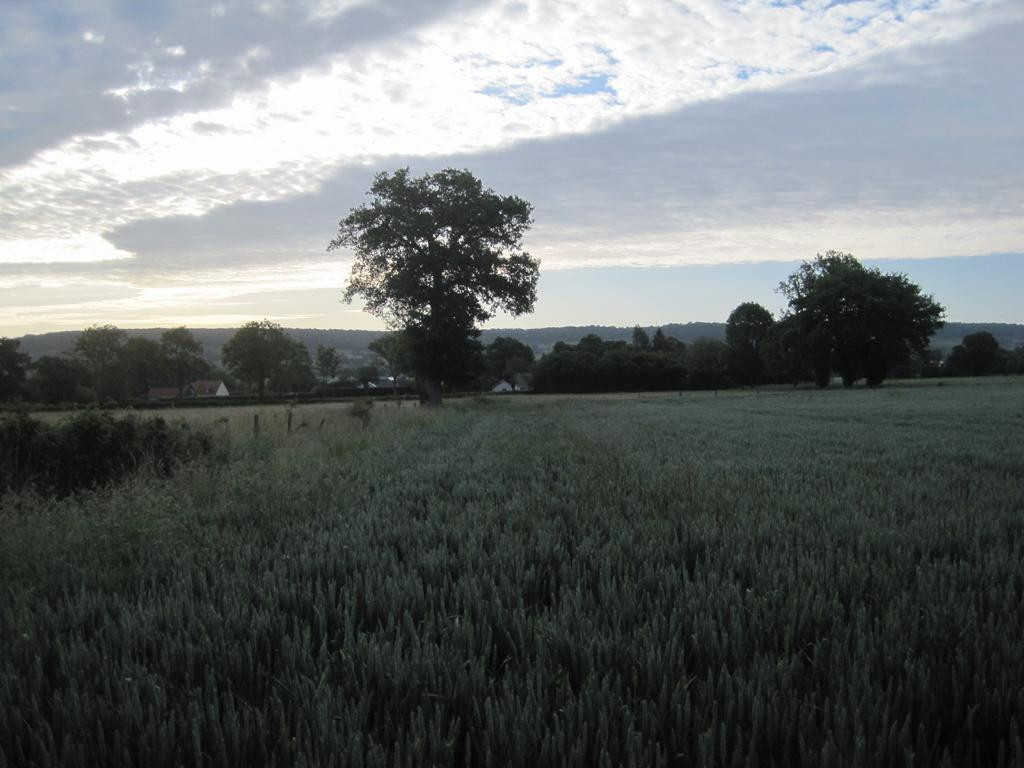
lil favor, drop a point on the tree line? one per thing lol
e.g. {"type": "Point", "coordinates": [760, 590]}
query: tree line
{"type": "Point", "coordinates": [437, 255]}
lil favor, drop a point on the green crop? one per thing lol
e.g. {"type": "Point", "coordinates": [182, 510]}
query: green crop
{"type": "Point", "coordinates": [779, 579]}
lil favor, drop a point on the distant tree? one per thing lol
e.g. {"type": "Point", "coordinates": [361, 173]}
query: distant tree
{"type": "Point", "coordinates": [367, 374]}
{"type": "Point", "coordinates": [856, 320]}
{"type": "Point", "coordinates": [295, 373]}
{"type": "Point", "coordinates": [979, 354]}
{"type": "Point", "coordinates": [667, 344]}
{"type": "Point", "coordinates": [707, 360]}
{"type": "Point", "coordinates": [257, 351]}
{"type": "Point", "coordinates": [435, 256]}
{"type": "Point", "coordinates": [745, 332]}
{"type": "Point", "coordinates": [183, 357]}
{"type": "Point", "coordinates": [505, 357]}
{"type": "Point", "coordinates": [98, 348]}
{"type": "Point", "coordinates": [55, 380]}
{"type": "Point", "coordinates": [641, 340]}
{"type": "Point", "coordinates": [785, 354]}
{"type": "Point", "coordinates": [1015, 361]}
{"type": "Point", "coordinates": [327, 364]}
{"type": "Point", "coordinates": [591, 344]}
{"type": "Point", "coordinates": [13, 368]}
{"type": "Point", "coordinates": [142, 365]}
{"type": "Point", "coordinates": [393, 349]}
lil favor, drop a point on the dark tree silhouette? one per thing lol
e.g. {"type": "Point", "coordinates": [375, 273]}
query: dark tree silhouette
{"type": "Point", "coordinates": [257, 352]}
{"type": "Point", "coordinates": [745, 333]}
{"type": "Point", "coordinates": [13, 368]}
{"type": "Point", "coordinates": [856, 320]}
{"type": "Point", "coordinates": [435, 256]}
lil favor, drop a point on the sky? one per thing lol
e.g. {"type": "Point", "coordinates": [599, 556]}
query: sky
{"type": "Point", "coordinates": [187, 163]}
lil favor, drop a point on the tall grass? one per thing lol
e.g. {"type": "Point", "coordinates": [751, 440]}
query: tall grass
{"type": "Point", "coordinates": [809, 579]}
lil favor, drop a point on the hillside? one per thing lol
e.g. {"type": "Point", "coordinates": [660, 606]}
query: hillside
{"type": "Point", "coordinates": [354, 342]}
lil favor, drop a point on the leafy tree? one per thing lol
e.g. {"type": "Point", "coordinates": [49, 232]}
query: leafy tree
{"type": "Point", "coordinates": [99, 350]}
{"type": "Point", "coordinates": [295, 373]}
{"type": "Point", "coordinates": [505, 357]}
{"type": "Point", "coordinates": [435, 256]}
{"type": "Point", "coordinates": [667, 344]}
{"type": "Point", "coordinates": [55, 380]}
{"type": "Point", "coordinates": [1015, 361]}
{"type": "Point", "coordinates": [142, 364]}
{"type": "Point", "coordinates": [257, 351]}
{"type": "Point", "coordinates": [367, 374]}
{"type": "Point", "coordinates": [856, 320]}
{"type": "Point", "coordinates": [641, 340]}
{"type": "Point", "coordinates": [328, 361]}
{"type": "Point", "coordinates": [979, 354]}
{"type": "Point", "coordinates": [707, 360]}
{"type": "Point", "coordinates": [393, 349]}
{"type": "Point", "coordinates": [745, 333]}
{"type": "Point", "coordinates": [785, 353]}
{"type": "Point", "coordinates": [13, 368]}
{"type": "Point", "coordinates": [183, 356]}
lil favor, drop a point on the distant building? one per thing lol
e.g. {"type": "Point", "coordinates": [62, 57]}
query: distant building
{"type": "Point", "coordinates": [162, 393]}
{"type": "Point", "coordinates": [523, 382]}
{"type": "Point", "coordinates": [207, 388]}
{"type": "Point", "coordinates": [520, 382]}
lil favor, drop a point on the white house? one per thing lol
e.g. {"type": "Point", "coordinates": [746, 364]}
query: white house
{"type": "Point", "coordinates": [503, 386]}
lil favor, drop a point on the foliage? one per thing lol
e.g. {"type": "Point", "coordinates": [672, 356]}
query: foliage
{"type": "Point", "coordinates": [295, 372]}
{"type": "Point", "coordinates": [594, 365]}
{"type": "Point", "coordinates": [745, 333]}
{"type": "Point", "coordinates": [13, 367]}
{"type": "Point", "coordinates": [979, 354]}
{"type": "Point", "coordinates": [786, 353]}
{"type": "Point", "coordinates": [182, 356]}
{"type": "Point", "coordinates": [794, 580]}
{"type": "Point", "coordinates": [641, 340]}
{"type": "Point", "coordinates": [99, 348]}
{"type": "Point", "coordinates": [56, 380]}
{"type": "Point", "coordinates": [393, 349]}
{"type": "Point", "coordinates": [504, 358]}
{"type": "Point", "coordinates": [258, 351]}
{"type": "Point", "coordinates": [662, 342]}
{"type": "Point", "coordinates": [328, 362]}
{"type": "Point", "coordinates": [708, 361]}
{"type": "Point", "coordinates": [856, 320]}
{"type": "Point", "coordinates": [142, 365]}
{"type": "Point", "coordinates": [89, 450]}
{"type": "Point", "coordinates": [436, 255]}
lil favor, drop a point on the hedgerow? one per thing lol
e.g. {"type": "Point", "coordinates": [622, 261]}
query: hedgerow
{"type": "Point", "coordinates": [90, 449]}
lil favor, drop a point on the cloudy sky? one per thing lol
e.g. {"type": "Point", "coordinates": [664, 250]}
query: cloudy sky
{"type": "Point", "coordinates": [187, 162]}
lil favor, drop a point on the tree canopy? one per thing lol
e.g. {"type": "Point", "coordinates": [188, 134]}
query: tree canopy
{"type": "Point", "coordinates": [855, 319]}
{"type": "Point", "coordinates": [435, 255]}
{"type": "Point", "coordinates": [13, 366]}
{"type": "Point", "coordinates": [258, 351]}
{"type": "Point", "coordinates": [745, 333]}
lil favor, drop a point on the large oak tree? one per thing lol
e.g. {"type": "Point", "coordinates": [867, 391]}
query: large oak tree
{"type": "Point", "coordinates": [434, 256]}
{"type": "Point", "coordinates": [856, 320]}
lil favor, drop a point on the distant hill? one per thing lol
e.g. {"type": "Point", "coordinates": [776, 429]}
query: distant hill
{"type": "Point", "coordinates": [353, 343]}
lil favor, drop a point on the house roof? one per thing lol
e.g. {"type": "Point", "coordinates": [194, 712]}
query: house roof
{"type": "Point", "coordinates": [206, 386]}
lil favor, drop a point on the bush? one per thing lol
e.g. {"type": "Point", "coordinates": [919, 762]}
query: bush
{"type": "Point", "coordinates": [90, 450]}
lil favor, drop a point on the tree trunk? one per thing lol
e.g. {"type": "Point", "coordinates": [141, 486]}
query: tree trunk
{"type": "Point", "coordinates": [432, 390]}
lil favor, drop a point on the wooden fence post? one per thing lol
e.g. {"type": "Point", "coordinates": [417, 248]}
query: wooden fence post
{"type": "Point", "coordinates": [256, 425]}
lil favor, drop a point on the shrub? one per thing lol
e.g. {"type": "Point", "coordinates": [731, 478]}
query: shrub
{"type": "Point", "coordinates": [90, 450]}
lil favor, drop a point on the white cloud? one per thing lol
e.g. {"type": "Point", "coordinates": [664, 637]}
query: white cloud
{"type": "Point", "coordinates": [646, 133]}
{"type": "Point", "coordinates": [93, 37]}
{"type": "Point", "coordinates": [466, 84]}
